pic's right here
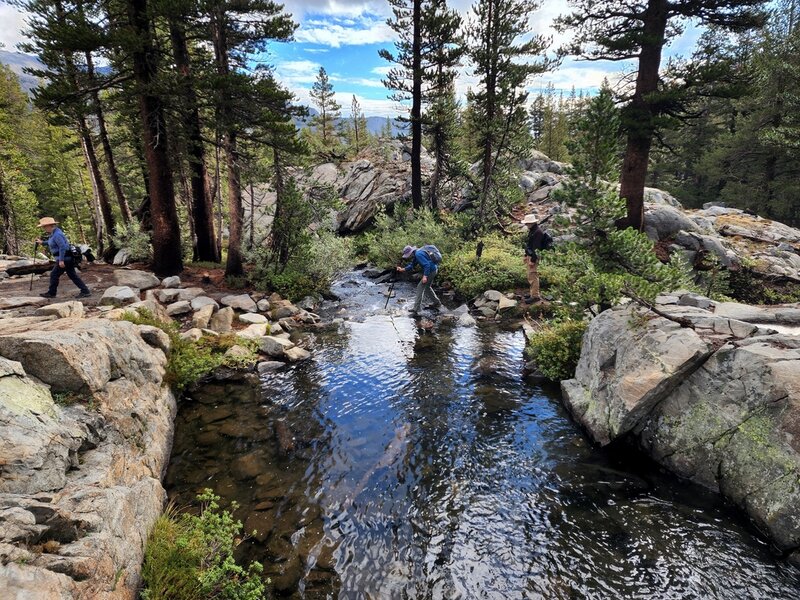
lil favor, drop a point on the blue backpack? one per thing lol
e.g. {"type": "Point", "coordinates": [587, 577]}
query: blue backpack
{"type": "Point", "coordinates": [433, 253]}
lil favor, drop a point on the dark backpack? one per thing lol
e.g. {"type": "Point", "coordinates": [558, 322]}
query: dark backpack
{"type": "Point", "coordinates": [433, 253]}
{"type": "Point", "coordinates": [547, 241]}
{"type": "Point", "coordinates": [75, 253]}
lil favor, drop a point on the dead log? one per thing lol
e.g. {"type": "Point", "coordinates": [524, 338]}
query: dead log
{"type": "Point", "coordinates": [38, 267]}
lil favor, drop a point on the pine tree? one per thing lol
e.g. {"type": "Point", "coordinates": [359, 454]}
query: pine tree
{"type": "Point", "coordinates": [359, 125]}
{"type": "Point", "coordinates": [502, 64]}
{"type": "Point", "coordinates": [328, 109]}
{"type": "Point", "coordinates": [238, 29]}
{"type": "Point", "coordinates": [620, 30]}
{"type": "Point", "coordinates": [441, 54]}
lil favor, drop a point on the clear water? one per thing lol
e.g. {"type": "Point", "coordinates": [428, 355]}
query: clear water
{"type": "Point", "coordinates": [423, 466]}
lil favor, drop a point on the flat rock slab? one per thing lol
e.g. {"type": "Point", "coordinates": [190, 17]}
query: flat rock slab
{"type": "Point", "coordinates": [181, 307]}
{"type": "Point", "coordinates": [20, 301]}
{"type": "Point", "coordinates": [141, 280]}
{"type": "Point", "coordinates": [273, 346]}
{"type": "Point", "coordinates": [252, 318]}
{"type": "Point", "coordinates": [119, 296]}
{"type": "Point", "coordinates": [171, 282]}
{"type": "Point", "coordinates": [241, 302]}
{"type": "Point", "coordinates": [62, 310]}
{"type": "Point", "coordinates": [201, 301]}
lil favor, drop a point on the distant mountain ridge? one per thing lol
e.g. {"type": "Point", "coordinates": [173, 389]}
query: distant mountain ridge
{"type": "Point", "coordinates": [17, 61]}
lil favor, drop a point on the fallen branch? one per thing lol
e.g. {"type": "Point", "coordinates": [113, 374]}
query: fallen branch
{"type": "Point", "coordinates": [683, 322]}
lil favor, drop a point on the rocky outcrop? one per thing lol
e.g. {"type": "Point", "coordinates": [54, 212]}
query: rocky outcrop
{"type": "Point", "coordinates": [717, 402]}
{"type": "Point", "coordinates": [85, 435]}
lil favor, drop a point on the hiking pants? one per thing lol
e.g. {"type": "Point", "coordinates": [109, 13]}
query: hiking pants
{"type": "Point", "coordinates": [533, 276]}
{"type": "Point", "coordinates": [424, 288]}
{"type": "Point", "coordinates": [69, 269]}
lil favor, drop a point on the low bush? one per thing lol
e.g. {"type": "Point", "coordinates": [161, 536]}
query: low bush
{"type": "Point", "coordinates": [556, 348]}
{"type": "Point", "coordinates": [131, 237]}
{"type": "Point", "coordinates": [190, 360]}
{"type": "Point", "coordinates": [500, 267]}
{"type": "Point", "coordinates": [191, 556]}
{"type": "Point", "coordinates": [384, 243]}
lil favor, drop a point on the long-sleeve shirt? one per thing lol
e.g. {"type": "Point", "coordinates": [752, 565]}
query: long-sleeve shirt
{"type": "Point", "coordinates": [422, 259]}
{"type": "Point", "coordinates": [534, 243]}
{"type": "Point", "coordinates": [58, 244]}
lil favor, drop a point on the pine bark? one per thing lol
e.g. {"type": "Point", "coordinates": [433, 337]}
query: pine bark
{"type": "Point", "coordinates": [98, 185]}
{"type": "Point", "coordinates": [113, 172]}
{"type": "Point", "coordinates": [234, 265]}
{"type": "Point", "coordinates": [166, 232]}
{"type": "Point", "coordinates": [5, 215]}
{"type": "Point", "coordinates": [201, 205]}
{"type": "Point", "coordinates": [639, 115]}
{"type": "Point", "coordinates": [416, 108]}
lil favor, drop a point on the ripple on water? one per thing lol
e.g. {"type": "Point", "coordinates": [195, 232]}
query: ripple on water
{"type": "Point", "coordinates": [424, 467]}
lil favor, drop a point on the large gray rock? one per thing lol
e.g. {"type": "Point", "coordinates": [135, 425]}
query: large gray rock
{"type": "Point", "coordinates": [222, 321]}
{"type": "Point", "coordinates": [19, 301]}
{"type": "Point", "coordinates": [252, 318]}
{"type": "Point", "coordinates": [274, 347]}
{"type": "Point", "coordinates": [171, 282]}
{"type": "Point", "coordinates": [662, 221]}
{"type": "Point", "coordinates": [87, 479]}
{"type": "Point", "coordinates": [718, 404]}
{"type": "Point", "coordinates": [201, 301]}
{"type": "Point", "coordinates": [364, 188]}
{"type": "Point", "coordinates": [62, 310]}
{"type": "Point", "coordinates": [181, 307]}
{"type": "Point", "coordinates": [167, 296]}
{"type": "Point", "coordinates": [190, 293]}
{"type": "Point", "coordinates": [118, 295]}
{"type": "Point", "coordinates": [202, 316]}
{"type": "Point", "coordinates": [242, 302]}
{"type": "Point", "coordinates": [141, 280]}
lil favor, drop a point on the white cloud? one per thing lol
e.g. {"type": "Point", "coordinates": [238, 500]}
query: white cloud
{"type": "Point", "coordinates": [382, 71]}
{"type": "Point", "coordinates": [297, 72]}
{"type": "Point", "coordinates": [362, 81]}
{"type": "Point", "coordinates": [12, 22]}
{"type": "Point", "coordinates": [341, 8]}
{"type": "Point", "coordinates": [334, 34]}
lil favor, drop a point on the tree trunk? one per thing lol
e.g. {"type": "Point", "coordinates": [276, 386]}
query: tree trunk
{"type": "Point", "coordinates": [5, 215]}
{"type": "Point", "coordinates": [98, 185]}
{"type": "Point", "coordinates": [233, 266]}
{"type": "Point", "coordinates": [94, 211]}
{"type": "Point", "coordinates": [252, 217]}
{"type": "Point", "coordinates": [416, 108]}
{"type": "Point", "coordinates": [491, 91]}
{"type": "Point", "coordinates": [433, 190]}
{"type": "Point", "coordinates": [166, 232]}
{"type": "Point", "coordinates": [639, 115]}
{"type": "Point", "coordinates": [113, 172]}
{"type": "Point", "coordinates": [202, 200]}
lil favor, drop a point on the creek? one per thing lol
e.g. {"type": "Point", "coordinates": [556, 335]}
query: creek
{"type": "Point", "coordinates": [403, 463]}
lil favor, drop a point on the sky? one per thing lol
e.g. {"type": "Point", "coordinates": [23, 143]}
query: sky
{"type": "Point", "coordinates": [344, 36]}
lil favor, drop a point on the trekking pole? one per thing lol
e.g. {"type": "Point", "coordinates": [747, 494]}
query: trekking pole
{"type": "Point", "coordinates": [389, 295]}
{"type": "Point", "coordinates": [35, 246]}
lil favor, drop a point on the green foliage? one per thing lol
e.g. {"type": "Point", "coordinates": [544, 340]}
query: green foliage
{"type": "Point", "coordinates": [604, 263]}
{"type": "Point", "coordinates": [556, 348]}
{"type": "Point", "coordinates": [132, 237]}
{"type": "Point", "coordinates": [190, 360]}
{"type": "Point", "coordinates": [384, 243]}
{"type": "Point", "coordinates": [191, 556]}
{"type": "Point", "coordinates": [500, 267]}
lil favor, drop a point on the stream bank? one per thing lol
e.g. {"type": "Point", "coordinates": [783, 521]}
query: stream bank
{"type": "Point", "coordinates": [404, 462]}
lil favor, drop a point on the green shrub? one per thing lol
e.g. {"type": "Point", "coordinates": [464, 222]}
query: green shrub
{"type": "Point", "coordinates": [500, 267]}
{"type": "Point", "coordinates": [134, 239]}
{"type": "Point", "coordinates": [383, 245]}
{"type": "Point", "coordinates": [190, 360]}
{"type": "Point", "coordinates": [190, 556]}
{"type": "Point", "coordinates": [556, 348]}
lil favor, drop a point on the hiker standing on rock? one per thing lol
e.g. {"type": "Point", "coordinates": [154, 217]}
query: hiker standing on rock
{"type": "Point", "coordinates": [428, 258]}
{"type": "Point", "coordinates": [59, 248]}
{"type": "Point", "coordinates": [537, 240]}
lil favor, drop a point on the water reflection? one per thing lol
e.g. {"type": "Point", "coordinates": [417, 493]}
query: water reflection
{"type": "Point", "coordinates": [400, 463]}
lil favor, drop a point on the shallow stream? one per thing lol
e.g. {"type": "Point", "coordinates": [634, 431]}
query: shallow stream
{"type": "Point", "coordinates": [399, 463]}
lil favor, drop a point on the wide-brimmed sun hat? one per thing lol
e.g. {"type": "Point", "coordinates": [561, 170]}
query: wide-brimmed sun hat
{"type": "Point", "coordinates": [47, 221]}
{"type": "Point", "coordinates": [408, 251]}
{"type": "Point", "coordinates": [530, 219]}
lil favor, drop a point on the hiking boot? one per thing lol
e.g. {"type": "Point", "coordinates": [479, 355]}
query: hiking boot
{"type": "Point", "coordinates": [85, 294]}
{"type": "Point", "coordinates": [47, 295]}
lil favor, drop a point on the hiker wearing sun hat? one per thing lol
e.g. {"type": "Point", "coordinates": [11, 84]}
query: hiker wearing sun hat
{"type": "Point", "coordinates": [428, 258]}
{"type": "Point", "coordinates": [537, 240]}
{"type": "Point", "coordinates": [59, 247]}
